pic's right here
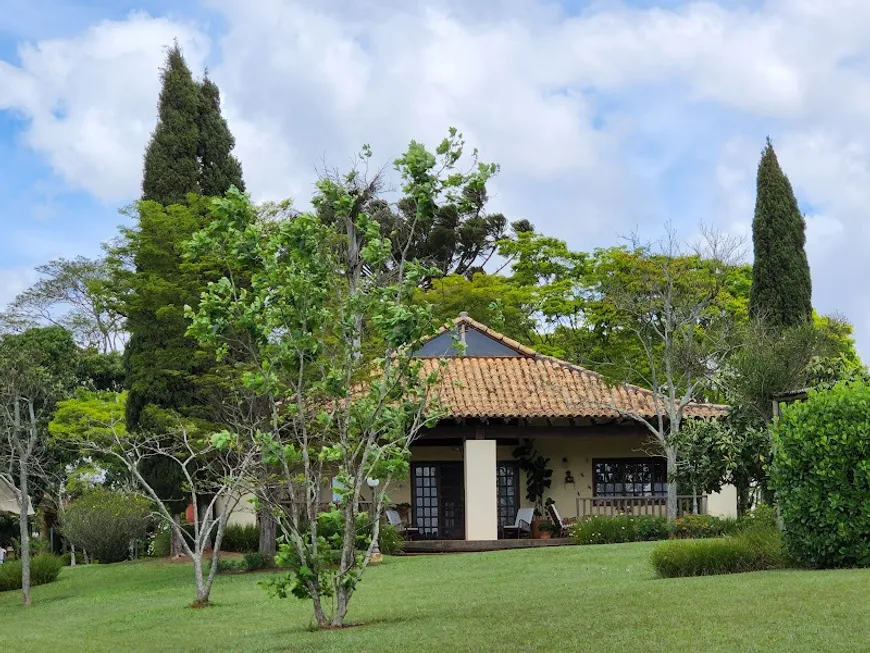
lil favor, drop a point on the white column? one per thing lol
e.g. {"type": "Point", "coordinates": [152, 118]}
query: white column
{"type": "Point", "coordinates": [723, 503]}
{"type": "Point", "coordinates": [481, 492]}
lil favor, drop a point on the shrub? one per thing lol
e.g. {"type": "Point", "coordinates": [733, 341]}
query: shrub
{"type": "Point", "coordinates": [254, 560]}
{"type": "Point", "coordinates": [701, 526]}
{"type": "Point", "coordinates": [390, 540]}
{"type": "Point", "coordinates": [104, 523]}
{"type": "Point", "coordinates": [161, 543]}
{"type": "Point", "coordinates": [602, 529]}
{"type": "Point", "coordinates": [746, 552]}
{"type": "Point", "coordinates": [43, 569]}
{"type": "Point", "coordinates": [762, 518]}
{"type": "Point", "coordinates": [821, 478]}
{"type": "Point", "coordinates": [241, 539]}
{"type": "Point", "coordinates": [648, 529]}
{"type": "Point", "coordinates": [231, 564]}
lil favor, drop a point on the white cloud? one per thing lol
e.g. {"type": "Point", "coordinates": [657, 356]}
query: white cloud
{"type": "Point", "coordinates": [602, 120]}
{"type": "Point", "coordinates": [90, 101]}
{"type": "Point", "coordinates": [14, 281]}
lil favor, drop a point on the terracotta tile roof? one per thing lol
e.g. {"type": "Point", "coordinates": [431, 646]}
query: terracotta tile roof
{"type": "Point", "coordinates": [531, 385]}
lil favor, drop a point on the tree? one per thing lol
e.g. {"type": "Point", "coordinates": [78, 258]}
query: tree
{"type": "Point", "coordinates": [214, 466]}
{"type": "Point", "coordinates": [770, 362]}
{"type": "Point", "coordinates": [329, 331]}
{"type": "Point", "coordinates": [164, 368]}
{"type": "Point", "coordinates": [781, 285]}
{"type": "Point", "coordinates": [73, 294]}
{"type": "Point", "coordinates": [441, 218]}
{"type": "Point", "coordinates": [37, 368]}
{"type": "Point", "coordinates": [172, 170]}
{"type": "Point", "coordinates": [671, 305]}
{"type": "Point", "coordinates": [492, 299]}
{"type": "Point", "coordinates": [220, 170]}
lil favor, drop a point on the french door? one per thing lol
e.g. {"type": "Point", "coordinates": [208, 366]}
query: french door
{"type": "Point", "coordinates": [438, 500]}
{"type": "Point", "coordinates": [508, 480]}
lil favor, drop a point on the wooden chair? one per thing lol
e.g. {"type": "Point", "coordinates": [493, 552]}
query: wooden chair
{"type": "Point", "coordinates": [560, 524]}
{"type": "Point", "coordinates": [522, 524]}
{"type": "Point", "coordinates": [406, 531]}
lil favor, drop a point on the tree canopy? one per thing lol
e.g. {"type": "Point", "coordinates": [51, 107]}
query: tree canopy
{"type": "Point", "coordinates": [781, 285]}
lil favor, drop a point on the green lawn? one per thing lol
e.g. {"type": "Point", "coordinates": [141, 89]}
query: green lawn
{"type": "Point", "coordinates": [593, 598]}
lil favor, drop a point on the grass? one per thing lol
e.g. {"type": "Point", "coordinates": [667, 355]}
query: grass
{"type": "Point", "coordinates": [591, 598]}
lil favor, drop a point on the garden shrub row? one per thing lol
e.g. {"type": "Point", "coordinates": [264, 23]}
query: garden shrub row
{"type": "Point", "coordinates": [605, 529]}
{"type": "Point", "coordinates": [43, 569]}
{"type": "Point", "coordinates": [241, 539]}
{"type": "Point", "coordinates": [251, 561]}
{"type": "Point", "coordinates": [750, 551]}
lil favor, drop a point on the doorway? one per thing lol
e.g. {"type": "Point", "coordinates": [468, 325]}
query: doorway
{"type": "Point", "coordinates": [438, 500]}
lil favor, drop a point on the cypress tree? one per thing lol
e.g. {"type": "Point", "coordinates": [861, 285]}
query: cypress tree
{"type": "Point", "coordinates": [781, 291]}
{"type": "Point", "coordinates": [190, 153]}
{"type": "Point", "coordinates": [171, 166]}
{"type": "Point", "coordinates": [219, 168]}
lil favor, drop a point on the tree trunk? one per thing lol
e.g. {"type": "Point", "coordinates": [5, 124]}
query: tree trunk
{"type": "Point", "coordinates": [203, 589]}
{"type": "Point", "coordinates": [268, 533]}
{"type": "Point", "coordinates": [176, 549]}
{"type": "Point", "coordinates": [72, 556]}
{"type": "Point", "coordinates": [694, 499]}
{"type": "Point", "coordinates": [671, 454]}
{"type": "Point", "coordinates": [24, 530]}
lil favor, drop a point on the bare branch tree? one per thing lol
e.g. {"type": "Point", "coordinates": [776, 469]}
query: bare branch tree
{"type": "Point", "coordinates": [73, 294]}
{"type": "Point", "coordinates": [215, 468]}
{"type": "Point", "coordinates": [670, 300]}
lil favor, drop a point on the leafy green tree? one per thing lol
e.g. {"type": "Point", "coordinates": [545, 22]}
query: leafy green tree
{"type": "Point", "coordinates": [672, 304]}
{"type": "Point", "coordinates": [781, 285]}
{"type": "Point", "coordinates": [219, 169]}
{"type": "Point", "coordinates": [441, 219]}
{"type": "Point", "coordinates": [163, 366]}
{"type": "Point", "coordinates": [172, 170]}
{"type": "Point", "coordinates": [330, 331]}
{"type": "Point", "coordinates": [495, 300]}
{"type": "Point", "coordinates": [37, 368]}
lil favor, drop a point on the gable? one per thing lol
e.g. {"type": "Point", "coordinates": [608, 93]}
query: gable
{"type": "Point", "coordinates": [477, 345]}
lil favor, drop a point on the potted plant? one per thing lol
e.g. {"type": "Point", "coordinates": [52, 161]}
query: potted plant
{"type": "Point", "coordinates": [539, 476]}
{"type": "Point", "coordinates": [545, 530]}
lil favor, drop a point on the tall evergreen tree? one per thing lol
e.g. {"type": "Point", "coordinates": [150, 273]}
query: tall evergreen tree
{"type": "Point", "coordinates": [190, 153]}
{"type": "Point", "coordinates": [781, 287]}
{"type": "Point", "coordinates": [219, 168]}
{"type": "Point", "coordinates": [171, 166]}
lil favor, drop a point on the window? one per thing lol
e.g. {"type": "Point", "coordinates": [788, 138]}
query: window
{"type": "Point", "coordinates": [630, 477]}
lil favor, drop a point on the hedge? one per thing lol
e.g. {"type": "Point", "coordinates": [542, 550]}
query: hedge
{"type": "Point", "coordinates": [821, 476]}
{"type": "Point", "coordinates": [753, 551]}
{"type": "Point", "coordinates": [43, 569]}
{"type": "Point", "coordinates": [604, 529]}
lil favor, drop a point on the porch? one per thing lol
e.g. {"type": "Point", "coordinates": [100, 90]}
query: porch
{"type": "Point", "coordinates": [466, 485]}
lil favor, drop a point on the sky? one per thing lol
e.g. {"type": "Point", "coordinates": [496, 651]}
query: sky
{"type": "Point", "coordinates": [606, 116]}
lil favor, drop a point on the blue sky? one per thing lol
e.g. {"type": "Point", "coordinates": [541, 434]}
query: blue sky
{"type": "Point", "coordinates": [605, 116]}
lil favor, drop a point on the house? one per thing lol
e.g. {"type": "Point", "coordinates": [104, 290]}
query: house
{"type": "Point", "coordinates": [465, 482]}
{"type": "Point", "coordinates": [9, 501]}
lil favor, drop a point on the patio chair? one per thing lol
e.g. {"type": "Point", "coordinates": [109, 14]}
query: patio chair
{"type": "Point", "coordinates": [406, 531]}
{"type": "Point", "coordinates": [522, 524]}
{"type": "Point", "coordinates": [560, 524]}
